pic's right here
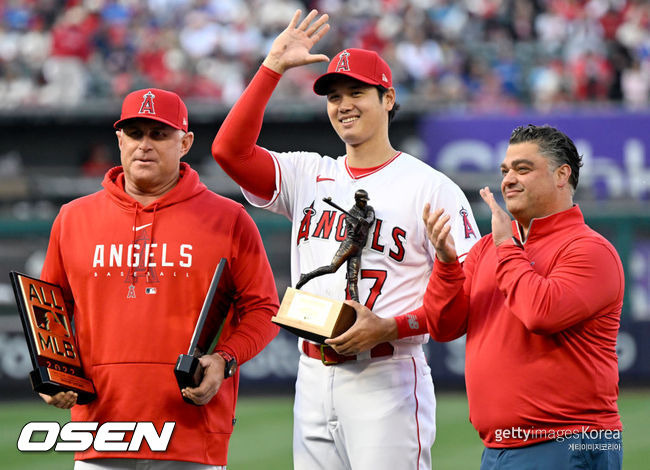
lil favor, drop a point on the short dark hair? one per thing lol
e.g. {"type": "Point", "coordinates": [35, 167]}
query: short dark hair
{"type": "Point", "coordinates": [553, 144]}
{"type": "Point", "coordinates": [391, 114]}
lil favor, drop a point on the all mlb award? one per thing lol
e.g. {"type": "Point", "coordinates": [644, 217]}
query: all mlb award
{"type": "Point", "coordinates": [318, 318]}
{"type": "Point", "coordinates": [50, 339]}
{"type": "Point", "coordinates": [207, 331]}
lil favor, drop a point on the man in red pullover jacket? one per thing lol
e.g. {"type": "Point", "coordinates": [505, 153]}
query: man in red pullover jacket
{"type": "Point", "coordinates": [135, 261]}
{"type": "Point", "coordinates": [540, 300]}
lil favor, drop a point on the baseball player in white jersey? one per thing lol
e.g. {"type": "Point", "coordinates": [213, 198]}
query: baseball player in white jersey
{"type": "Point", "coordinates": [366, 400]}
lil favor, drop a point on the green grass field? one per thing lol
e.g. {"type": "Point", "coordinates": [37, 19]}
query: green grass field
{"type": "Point", "coordinates": [262, 438]}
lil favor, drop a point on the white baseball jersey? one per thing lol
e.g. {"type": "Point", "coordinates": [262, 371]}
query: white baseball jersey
{"type": "Point", "coordinates": [398, 258]}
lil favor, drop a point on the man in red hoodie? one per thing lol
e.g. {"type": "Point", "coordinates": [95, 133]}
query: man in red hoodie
{"type": "Point", "coordinates": [540, 300]}
{"type": "Point", "coordinates": [135, 261]}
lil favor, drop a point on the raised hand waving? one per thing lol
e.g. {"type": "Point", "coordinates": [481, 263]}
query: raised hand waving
{"type": "Point", "coordinates": [293, 45]}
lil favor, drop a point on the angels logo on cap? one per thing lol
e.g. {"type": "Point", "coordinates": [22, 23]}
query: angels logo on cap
{"type": "Point", "coordinates": [360, 64]}
{"type": "Point", "coordinates": [343, 65]}
{"type": "Point", "coordinates": [156, 104]}
{"type": "Point", "coordinates": [147, 103]}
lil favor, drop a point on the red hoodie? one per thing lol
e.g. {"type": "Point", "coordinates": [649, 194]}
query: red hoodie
{"type": "Point", "coordinates": [132, 319]}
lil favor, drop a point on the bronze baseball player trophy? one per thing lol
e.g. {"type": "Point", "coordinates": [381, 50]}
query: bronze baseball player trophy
{"type": "Point", "coordinates": [318, 318]}
{"type": "Point", "coordinates": [358, 221]}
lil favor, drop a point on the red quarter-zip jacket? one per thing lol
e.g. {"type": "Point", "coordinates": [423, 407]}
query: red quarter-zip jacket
{"type": "Point", "coordinates": [135, 279]}
{"type": "Point", "coordinates": [541, 320]}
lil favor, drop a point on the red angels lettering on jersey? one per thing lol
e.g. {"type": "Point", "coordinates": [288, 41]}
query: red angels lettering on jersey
{"type": "Point", "coordinates": [147, 106]}
{"type": "Point", "coordinates": [469, 231]}
{"type": "Point", "coordinates": [399, 237]}
{"type": "Point", "coordinates": [341, 229]}
{"type": "Point", "coordinates": [331, 224]}
{"type": "Point", "coordinates": [376, 245]}
{"type": "Point", "coordinates": [325, 224]}
{"type": "Point", "coordinates": [343, 64]}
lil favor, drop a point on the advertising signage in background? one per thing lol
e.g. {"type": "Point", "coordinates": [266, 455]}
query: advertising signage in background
{"type": "Point", "coordinates": [615, 147]}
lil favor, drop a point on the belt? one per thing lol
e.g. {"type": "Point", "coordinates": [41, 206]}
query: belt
{"type": "Point", "coordinates": [329, 357]}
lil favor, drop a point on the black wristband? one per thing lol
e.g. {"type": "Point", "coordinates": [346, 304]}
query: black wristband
{"type": "Point", "coordinates": [231, 364]}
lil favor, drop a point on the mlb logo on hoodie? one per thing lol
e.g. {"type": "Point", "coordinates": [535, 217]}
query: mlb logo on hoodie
{"type": "Point", "coordinates": [150, 290]}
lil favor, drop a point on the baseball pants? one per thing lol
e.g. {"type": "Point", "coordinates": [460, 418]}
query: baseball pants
{"type": "Point", "coordinates": [369, 414]}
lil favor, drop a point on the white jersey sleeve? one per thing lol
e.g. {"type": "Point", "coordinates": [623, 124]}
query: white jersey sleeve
{"type": "Point", "coordinates": [463, 226]}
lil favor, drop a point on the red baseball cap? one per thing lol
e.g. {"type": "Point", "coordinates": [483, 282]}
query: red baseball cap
{"type": "Point", "coordinates": [362, 64]}
{"type": "Point", "coordinates": [154, 103]}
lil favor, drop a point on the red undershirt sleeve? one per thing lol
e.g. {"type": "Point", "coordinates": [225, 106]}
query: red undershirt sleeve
{"type": "Point", "coordinates": [415, 322]}
{"type": "Point", "coordinates": [234, 147]}
{"type": "Point", "coordinates": [411, 323]}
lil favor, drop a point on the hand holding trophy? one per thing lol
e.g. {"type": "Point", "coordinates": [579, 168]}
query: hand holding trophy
{"type": "Point", "coordinates": [217, 302]}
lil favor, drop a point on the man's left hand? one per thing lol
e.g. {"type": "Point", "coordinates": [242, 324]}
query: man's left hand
{"type": "Point", "coordinates": [367, 332]}
{"type": "Point", "coordinates": [213, 370]}
{"type": "Point", "coordinates": [501, 223]}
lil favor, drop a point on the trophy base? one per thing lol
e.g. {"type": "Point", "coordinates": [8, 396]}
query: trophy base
{"type": "Point", "coordinates": [313, 317]}
{"type": "Point", "coordinates": [188, 372]}
{"type": "Point", "coordinates": [51, 381]}
{"type": "Point", "coordinates": [315, 337]}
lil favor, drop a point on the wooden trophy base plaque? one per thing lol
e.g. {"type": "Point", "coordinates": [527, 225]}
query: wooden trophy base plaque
{"type": "Point", "coordinates": [312, 316]}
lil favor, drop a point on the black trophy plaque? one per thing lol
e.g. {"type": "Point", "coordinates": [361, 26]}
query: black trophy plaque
{"type": "Point", "coordinates": [52, 347]}
{"type": "Point", "coordinates": [208, 328]}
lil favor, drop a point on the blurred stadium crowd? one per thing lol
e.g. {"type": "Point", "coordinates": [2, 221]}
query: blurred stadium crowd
{"type": "Point", "coordinates": [478, 55]}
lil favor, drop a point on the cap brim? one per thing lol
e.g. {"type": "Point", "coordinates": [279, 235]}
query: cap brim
{"type": "Point", "coordinates": [321, 85]}
{"type": "Point", "coordinates": [119, 124]}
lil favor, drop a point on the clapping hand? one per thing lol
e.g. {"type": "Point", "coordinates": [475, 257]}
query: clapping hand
{"type": "Point", "coordinates": [438, 228]}
{"type": "Point", "coordinates": [501, 223]}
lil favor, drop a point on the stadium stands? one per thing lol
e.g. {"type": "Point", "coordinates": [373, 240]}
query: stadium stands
{"type": "Point", "coordinates": [472, 55]}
